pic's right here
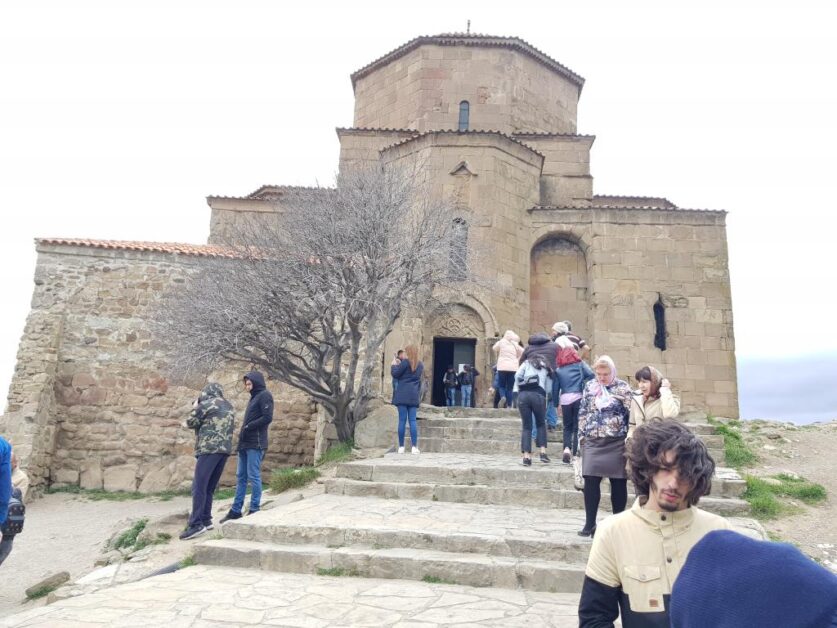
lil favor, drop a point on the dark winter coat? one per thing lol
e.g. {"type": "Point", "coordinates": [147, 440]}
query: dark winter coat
{"type": "Point", "coordinates": [540, 344]}
{"type": "Point", "coordinates": [258, 415]}
{"type": "Point", "coordinates": [409, 384]}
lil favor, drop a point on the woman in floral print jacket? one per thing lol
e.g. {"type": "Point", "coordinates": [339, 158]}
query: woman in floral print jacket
{"type": "Point", "coordinates": [602, 428]}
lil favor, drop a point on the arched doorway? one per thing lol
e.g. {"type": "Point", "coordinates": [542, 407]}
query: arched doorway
{"type": "Point", "coordinates": [454, 335]}
{"type": "Point", "coordinates": [558, 285]}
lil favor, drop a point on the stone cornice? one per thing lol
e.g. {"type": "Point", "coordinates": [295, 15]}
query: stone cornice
{"type": "Point", "coordinates": [468, 39]}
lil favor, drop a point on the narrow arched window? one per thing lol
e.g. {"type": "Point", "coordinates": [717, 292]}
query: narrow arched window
{"type": "Point", "coordinates": [464, 115]}
{"type": "Point", "coordinates": [660, 324]}
{"type": "Point", "coordinates": [458, 257]}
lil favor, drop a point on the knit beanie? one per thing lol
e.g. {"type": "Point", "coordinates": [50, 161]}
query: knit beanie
{"type": "Point", "coordinates": [732, 581]}
{"type": "Point", "coordinates": [560, 328]}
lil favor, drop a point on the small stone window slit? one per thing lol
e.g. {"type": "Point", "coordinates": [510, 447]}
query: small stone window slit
{"type": "Point", "coordinates": [660, 324]}
{"type": "Point", "coordinates": [464, 115]}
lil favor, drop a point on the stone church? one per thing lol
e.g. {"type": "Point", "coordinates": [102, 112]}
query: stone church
{"type": "Point", "coordinates": [494, 120]}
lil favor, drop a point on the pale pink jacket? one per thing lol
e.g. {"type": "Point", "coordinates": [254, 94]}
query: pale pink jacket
{"type": "Point", "coordinates": [508, 352]}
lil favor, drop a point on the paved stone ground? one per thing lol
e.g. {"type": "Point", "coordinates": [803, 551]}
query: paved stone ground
{"type": "Point", "coordinates": [201, 596]}
{"type": "Point", "coordinates": [326, 513]}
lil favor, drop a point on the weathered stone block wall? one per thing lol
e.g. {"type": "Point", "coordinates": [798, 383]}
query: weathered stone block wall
{"type": "Point", "coordinates": [566, 178]}
{"type": "Point", "coordinates": [362, 147]}
{"type": "Point", "coordinates": [106, 415]}
{"type": "Point", "coordinates": [507, 91]}
{"type": "Point", "coordinates": [636, 256]}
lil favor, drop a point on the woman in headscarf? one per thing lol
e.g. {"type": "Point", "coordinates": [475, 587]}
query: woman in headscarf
{"type": "Point", "coordinates": [602, 428]}
{"type": "Point", "coordinates": [653, 400]}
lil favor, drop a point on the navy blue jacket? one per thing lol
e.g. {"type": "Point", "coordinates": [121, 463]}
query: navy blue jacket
{"type": "Point", "coordinates": [570, 378]}
{"type": "Point", "coordinates": [409, 384]}
{"type": "Point", "coordinates": [258, 415]}
{"type": "Point", "coordinates": [5, 478]}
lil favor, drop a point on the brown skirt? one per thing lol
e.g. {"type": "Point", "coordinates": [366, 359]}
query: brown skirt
{"type": "Point", "coordinates": [604, 457]}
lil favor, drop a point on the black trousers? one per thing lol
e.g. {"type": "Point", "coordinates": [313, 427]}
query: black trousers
{"type": "Point", "coordinates": [531, 403]}
{"type": "Point", "coordinates": [593, 495]}
{"type": "Point", "coordinates": [208, 470]}
{"type": "Point", "coordinates": [569, 418]}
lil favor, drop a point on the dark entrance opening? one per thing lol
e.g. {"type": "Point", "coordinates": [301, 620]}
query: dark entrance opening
{"type": "Point", "coordinates": [450, 352]}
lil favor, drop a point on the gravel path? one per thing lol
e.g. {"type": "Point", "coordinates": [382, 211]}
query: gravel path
{"type": "Point", "coordinates": [67, 533]}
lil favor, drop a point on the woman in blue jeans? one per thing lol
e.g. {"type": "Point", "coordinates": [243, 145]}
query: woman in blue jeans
{"type": "Point", "coordinates": [407, 396]}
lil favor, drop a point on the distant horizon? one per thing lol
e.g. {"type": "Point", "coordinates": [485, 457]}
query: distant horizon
{"type": "Point", "coordinates": [781, 389]}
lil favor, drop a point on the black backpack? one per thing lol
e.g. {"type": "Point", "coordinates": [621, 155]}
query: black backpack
{"type": "Point", "coordinates": [14, 518]}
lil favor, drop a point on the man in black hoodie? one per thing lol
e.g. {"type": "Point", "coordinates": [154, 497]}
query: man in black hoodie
{"type": "Point", "coordinates": [540, 344]}
{"type": "Point", "coordinates": [252, 445]}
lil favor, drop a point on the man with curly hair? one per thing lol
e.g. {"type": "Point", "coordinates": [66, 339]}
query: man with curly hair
{"type": "Point", "coordinates": [637, 554]}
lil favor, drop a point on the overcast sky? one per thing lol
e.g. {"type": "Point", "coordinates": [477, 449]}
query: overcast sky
{"type": "Point", "coordinates": [117, 119]}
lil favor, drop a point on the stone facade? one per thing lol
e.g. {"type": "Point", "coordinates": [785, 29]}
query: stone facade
{"type": "Point", "coordinates": [90, 403]}
{"type": "Point", "coordinates": [492, 120]}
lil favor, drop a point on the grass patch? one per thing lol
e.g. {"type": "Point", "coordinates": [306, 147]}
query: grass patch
{"type": "Point", "coordinates": [98, 494]}
{"type": "Point", "coordinates": [161, 539]}
{"type": "Point", "coordinates": [39, 593]}
{"type": "Point", "coordinates": [188, 561]}
{"type": "Point", "coordinates": [337, 572]}
{"type": "Point", "coordinates": [284, 479]}
{"type": "Point", "coordinates": [129, 537]}
{"type": "Point", "coordinates": [738, 453]}
{"type": "Point", "coordinates": [341, 452]}
{"type": "Point", "coordinates": [436, 580]}
{"type": "Point", "coordinates": [763, 495]}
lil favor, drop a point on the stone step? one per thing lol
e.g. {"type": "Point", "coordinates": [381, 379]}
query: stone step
{"type": "Point", "coordinates": [504, 447]}
{"type": "Point", "coordinates": [476, 570]}
{"type": "Point", "coordinates": [491, 471]}
{"type": "Point", "coordinates": [429, 412]}
{"type": "Point", "coordinates": [480, 494]}
{"type": "Point", "coordinates": [495, 530]}
{"type": "Point", "coordinates": [511, 433]}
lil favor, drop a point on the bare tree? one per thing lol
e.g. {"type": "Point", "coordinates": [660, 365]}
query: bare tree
{"type": "Point", "coordinates": [310, 296]}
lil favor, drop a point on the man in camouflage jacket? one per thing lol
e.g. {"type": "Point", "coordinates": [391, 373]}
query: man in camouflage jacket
{"type": "Point", "coordinates": [212, 418]}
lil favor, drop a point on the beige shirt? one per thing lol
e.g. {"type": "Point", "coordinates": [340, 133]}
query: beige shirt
{"type": "Point", "coordinates": [642, 551]}
{"type": "Point", "coordinates": [666, 406]}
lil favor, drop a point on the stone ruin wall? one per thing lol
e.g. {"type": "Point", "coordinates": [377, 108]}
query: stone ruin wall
{"type": "Point", "coordinates": [90, 402]}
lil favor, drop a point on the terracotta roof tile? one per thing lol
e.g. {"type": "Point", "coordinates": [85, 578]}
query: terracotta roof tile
{"type": "Point", "coordinates": [658, 201]}
{"type": "Point", "coordinates": [369, 128]}
{"type": "Point", "coordinates": [537, 134]}
{"type": "Point", "coordinates": [470, 132]}
{"type": "Point", "coordinates": [470, 39]}
{"type": "Point", "coordinates": [178, 248]}
{"type": "Point", "coordinates": [629, 208]}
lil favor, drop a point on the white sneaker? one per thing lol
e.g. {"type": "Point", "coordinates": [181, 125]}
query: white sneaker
{"type": "Point", "coordinates": [400, 450]}
{"type": "Point", "coordinates": [415, 450]}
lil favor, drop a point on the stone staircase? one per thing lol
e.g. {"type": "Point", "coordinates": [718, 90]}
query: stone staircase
{"type": "Point", "coordinates": [464, 511]}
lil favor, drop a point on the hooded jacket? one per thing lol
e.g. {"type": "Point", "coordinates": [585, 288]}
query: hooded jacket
{"type": "Point", "coordinates": [508, 352]}
{"type": "Point", "coordinates": [540, 344]}
{"type": "Point", "coordinates": [213, 420]}
{"type": "Point", "coordinates": [258, 415]}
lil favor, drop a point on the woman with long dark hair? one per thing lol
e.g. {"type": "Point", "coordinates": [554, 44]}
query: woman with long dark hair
{"type": "Point", "coordinates": [408, 374]}
{"type": "Point", "coordinates": [602, 428]}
